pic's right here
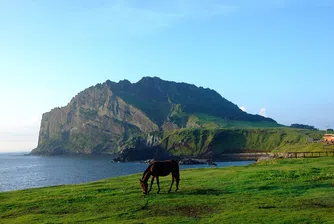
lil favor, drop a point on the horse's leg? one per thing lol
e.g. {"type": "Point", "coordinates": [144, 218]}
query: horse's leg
{"type": "Point", "coordinates": [177, 178]}
{"type": "Point", "coordinates": [158, 184]}
{"type": "Point", "coordinates": [171, 183]}
{"type": "Point", "coordinates": [151, 184]}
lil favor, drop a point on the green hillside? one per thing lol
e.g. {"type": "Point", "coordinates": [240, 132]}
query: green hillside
{"type": "Point", "coordinates": [201, 142]}
{"type": "Point", "coordinates": [159, 99]}
{"type": "Point", "coordinates": [209, 122]}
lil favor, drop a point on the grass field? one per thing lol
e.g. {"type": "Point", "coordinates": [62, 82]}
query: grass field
{"type": "Point", "coordinates": [277, 191]}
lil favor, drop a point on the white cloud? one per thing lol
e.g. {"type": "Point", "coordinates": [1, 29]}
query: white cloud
{"type": "Point", "coordinates": [136, 17]}
{"type": "Point", "coordinates": [243, 108]}
{"type": "Point", "coordinates": [262, 112]}
{"type": "Point", "coordinates": [191, 8]}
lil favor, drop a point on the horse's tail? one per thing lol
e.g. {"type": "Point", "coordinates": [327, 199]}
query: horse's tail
{"type": "Point", "coordinates": [177, 163]}
{"type": "Point", "coordinates": [177, 169]}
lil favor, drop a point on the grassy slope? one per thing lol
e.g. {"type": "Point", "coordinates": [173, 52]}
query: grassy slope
{"type": "Point", "coordinates": [197, 141]}
{"type": "Point", "coordinates": [279, 191]}
{"type": "Point", "coordinates": [207, 121]}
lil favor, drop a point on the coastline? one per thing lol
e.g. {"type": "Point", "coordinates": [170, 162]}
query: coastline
{"type": "Point", "coordinates": [19, 172]}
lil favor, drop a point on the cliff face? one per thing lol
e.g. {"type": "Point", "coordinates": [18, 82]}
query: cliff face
{"type": "Point", "coordinates": [104, 118]}
{"type": "Point", "coordinates": [94, 122]}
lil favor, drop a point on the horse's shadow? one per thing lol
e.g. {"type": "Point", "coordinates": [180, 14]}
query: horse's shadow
{"type": "Point", "coordinates": [205, 191]}
{"type": "Point", "coordinates": [202, 191]}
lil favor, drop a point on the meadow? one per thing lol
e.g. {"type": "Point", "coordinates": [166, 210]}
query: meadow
{"type": "Point", "coordinates": [274, 191]}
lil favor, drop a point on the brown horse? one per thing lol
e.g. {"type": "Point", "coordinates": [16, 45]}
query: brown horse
{"type": "Point", "coordinates": [160, 168]}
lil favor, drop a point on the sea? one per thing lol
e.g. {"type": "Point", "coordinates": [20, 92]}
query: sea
{"type": "Point", "coordinates": [19, 171]}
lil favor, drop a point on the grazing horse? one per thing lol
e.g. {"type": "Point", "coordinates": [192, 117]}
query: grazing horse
{"type": "Point", "coordinates": [160, 168]}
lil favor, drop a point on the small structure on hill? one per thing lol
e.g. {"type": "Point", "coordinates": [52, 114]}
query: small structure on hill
{"type": "Point", "coordinates": [313, 140]}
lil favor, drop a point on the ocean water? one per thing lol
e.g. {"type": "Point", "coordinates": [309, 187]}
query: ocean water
{"type": "Point", "coordinates": [18, 171]}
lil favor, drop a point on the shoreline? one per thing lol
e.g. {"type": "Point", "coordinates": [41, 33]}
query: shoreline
{"type": "Point", "coordinates": [26, 172]}
{"type": "Point", "coordinates": [242, 156]}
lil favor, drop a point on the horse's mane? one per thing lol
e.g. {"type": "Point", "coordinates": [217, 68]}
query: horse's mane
{"type": "Point", "coordinates": [147, 169]}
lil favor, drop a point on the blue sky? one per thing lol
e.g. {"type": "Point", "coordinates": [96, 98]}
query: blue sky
{"type": "Point", "coordinates": [269, 57]}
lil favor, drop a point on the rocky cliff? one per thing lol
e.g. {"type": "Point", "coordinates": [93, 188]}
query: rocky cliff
{"type": "Point", "coordinates": [95, 121]}
{"type": "Point", "coordinates": [106, 118]}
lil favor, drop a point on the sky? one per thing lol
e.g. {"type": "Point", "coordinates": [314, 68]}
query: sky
{"type": "Point", "coordinates": [273, 58]}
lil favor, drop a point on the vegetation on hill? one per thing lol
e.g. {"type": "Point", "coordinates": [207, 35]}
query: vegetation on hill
{"type": "Point", "coordinates": [275, 191]}
{"type": "Point", "coordinates": [198, 120]}
{"type": "Point", "coordinates": [158, 99]}
{"type": "Point", "coordinates": [215, 142]}
{"type": "Point", "coordinates": [303, 126]}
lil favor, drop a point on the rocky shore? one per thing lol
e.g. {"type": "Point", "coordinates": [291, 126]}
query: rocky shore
{"type": "Point", "coordinates": [185, 161]}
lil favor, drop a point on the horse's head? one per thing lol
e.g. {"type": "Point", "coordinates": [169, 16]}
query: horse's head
{"type": "Point", "coordinates": [143, 186]}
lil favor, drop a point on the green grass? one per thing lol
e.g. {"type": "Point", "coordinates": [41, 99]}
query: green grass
{"type": "Point", "coordinates": [276, 191]}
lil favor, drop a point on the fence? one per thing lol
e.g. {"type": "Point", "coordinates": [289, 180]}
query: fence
{"type": "Point", "coordinates": [309, 154]}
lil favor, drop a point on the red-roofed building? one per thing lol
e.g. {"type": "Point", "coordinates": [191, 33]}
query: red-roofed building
{"type": "Point", "coordinates": [329, 138]}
